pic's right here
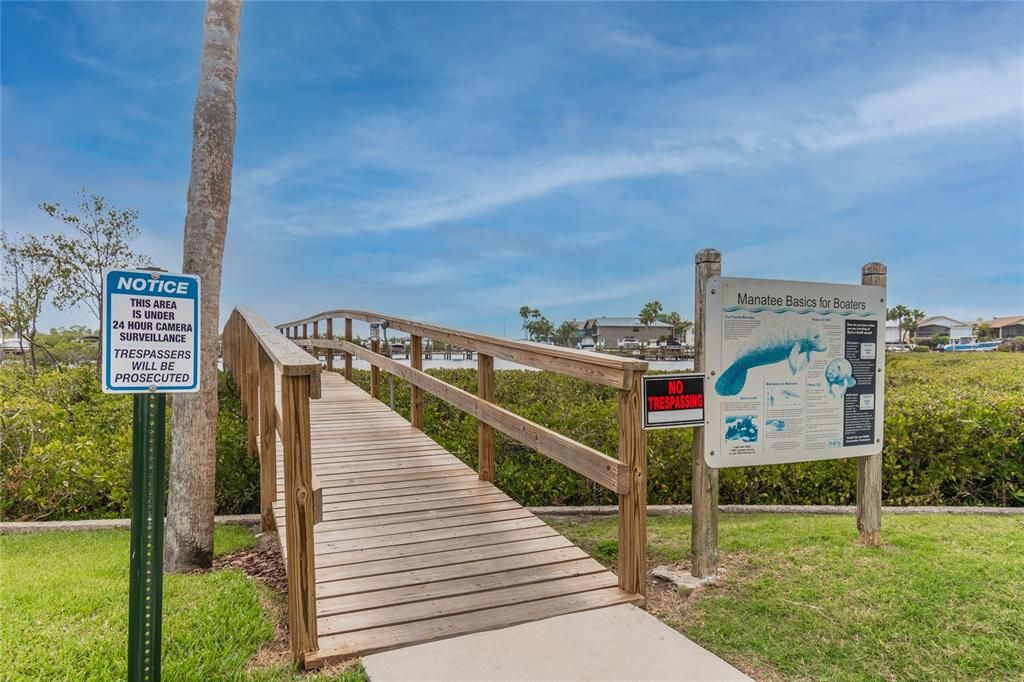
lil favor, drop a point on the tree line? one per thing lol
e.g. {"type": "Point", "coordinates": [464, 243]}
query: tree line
{"type": "Point", "coordinates": [537, 327]}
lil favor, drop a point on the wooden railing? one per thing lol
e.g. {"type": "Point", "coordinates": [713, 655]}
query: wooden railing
{"type": "Point", "coordinates": [276, 380]}
{"type": "Point", "coordinates": [626, 475]}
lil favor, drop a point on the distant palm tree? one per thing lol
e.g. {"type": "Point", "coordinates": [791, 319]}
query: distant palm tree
{"type": "Point", "coordinates": [649, 314]}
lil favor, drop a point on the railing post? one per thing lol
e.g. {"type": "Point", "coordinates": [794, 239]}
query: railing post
{"type": "Point", "coordinates": [348, 356]}
{"type": "Point", "coordinates": [225, 344]}
{"type": "Point", "coordinates": [316, 335]}
{"type": "Point", "coordinates": [374, 371]}
{"type": "Point", "coordinates": [251, 348]}
{"type": "Point", "coordinates": [268, 443]}
{"type": "Point", "coordinates": [416, 362]}
{"type": "Point", "coordinates": [330, 351]}
{"type": "Point", "coordinates": [298, 495]}
{"type": "Point", "coordinates": [484, 432]}
{"type": "Point", "coordinates": [869, 468]}
{"type": "Point", "coordinates": [633, 504]}
{"type": "Point", "coordinates": [704, 481]}
{"type": "Point", "coordinates": [239, 371]}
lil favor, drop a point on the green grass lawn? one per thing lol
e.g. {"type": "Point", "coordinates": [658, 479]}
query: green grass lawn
{"type": "Point", "coordinates": [799, 599]}
{"type": "Point", "coordinates": [64, 613]}
{"type": "Point", "coordinates": [943, 599]}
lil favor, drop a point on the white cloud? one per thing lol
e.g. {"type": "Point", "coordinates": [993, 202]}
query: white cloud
{"type": "Point", "coordinates": [442, 185]}
{"type": "Point", "coordinates": [944, 98]}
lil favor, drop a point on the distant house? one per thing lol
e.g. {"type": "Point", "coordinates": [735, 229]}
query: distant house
{"type": "Point", "coordinates": [1007, 327]}
{"type": "Point", "coordinates": [943, 326]}
{"type": "Point", "coordinates": [609, 331]}
{"type": "Point", "coordinates": [12, 347]}
{"type": "Point", "coordinates": [892, 332]}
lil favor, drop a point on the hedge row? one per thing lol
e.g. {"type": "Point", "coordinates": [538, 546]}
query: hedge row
{"type": "Point", "coordinates": [954, 435]}
{"type": "Point", "coordinates": [65, 448]}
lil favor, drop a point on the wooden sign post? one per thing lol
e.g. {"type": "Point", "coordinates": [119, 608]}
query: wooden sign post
{"type": "Point", "coordinates": [869, 468]}
{"type": "Point", "coordinates": [704, 491]}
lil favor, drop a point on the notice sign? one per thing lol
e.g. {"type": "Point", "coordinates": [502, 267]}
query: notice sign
{"type": "Point", "coordinates": [150, 332]}
{"type": "Point", "coordinates": [673, 400]}
{"type": "Point", "coordinates": [795, 371]}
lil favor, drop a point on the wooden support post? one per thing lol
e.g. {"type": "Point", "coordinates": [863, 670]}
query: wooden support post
{"type": "Point", "coordinates": [869, 469]}
{"type": "Point", "coordinates": [314, 351]}
{"type": "Point", "coordinates": [268, 442]}
{"type": "Point", "coordinates": [239, 373]}
{"type": "Point", "coordinates": [225, 345]}
{"type": "Point", "coordinates": [375, 371]}
{"type": "Point", "coordinates": [299, 516]}
{"type": "Point", "coordinates": [252, 390]}
{"type": "Point", "coordinates": [704, 492]}
{"type": "Point", "coordinates": [633, 504]}
{"type": "Point", "coordinates": [416, 362]}
{"type": "Point", "coordinates": [348, 356]}
{"type": "Point", "coordinates": [330, 351]}
{"type": "Point", "coordinates": [485, 433]}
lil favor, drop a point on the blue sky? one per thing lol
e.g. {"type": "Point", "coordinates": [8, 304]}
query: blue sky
{"type": "Point", "coordinates": [452, 162]}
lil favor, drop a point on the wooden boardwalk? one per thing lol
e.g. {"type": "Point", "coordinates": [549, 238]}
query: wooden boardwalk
{"type": "Point", "coordinates": [413, 547]}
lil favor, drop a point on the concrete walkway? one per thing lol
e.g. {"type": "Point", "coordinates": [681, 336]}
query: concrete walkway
{"type": "Point", "coordinates": [614, 643]}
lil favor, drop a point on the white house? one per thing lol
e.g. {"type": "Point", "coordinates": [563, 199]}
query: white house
{"type": "Point", "coordinates": [13, 346]}
{"type": "Point", "coordinates": [943, 326]}
{"type": "Point", "coordinates": [892, 331]}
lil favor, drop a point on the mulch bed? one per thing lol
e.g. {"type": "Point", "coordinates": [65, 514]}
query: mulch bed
{"type": "Point", "coordinates": [262, 562]}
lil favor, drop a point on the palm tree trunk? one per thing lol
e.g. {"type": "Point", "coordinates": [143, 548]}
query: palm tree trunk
{"type": "Point", "coordinates": [190, 503]}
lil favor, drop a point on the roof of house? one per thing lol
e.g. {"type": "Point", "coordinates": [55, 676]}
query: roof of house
{"type": "Point", "coordinates": [936, 318]}
{"type": "Point", "coordinates": [13, 344]}
{"type": "Point", "coordinates": [998, 322]}
{"type": "Point", "coordinates": [625, 322]}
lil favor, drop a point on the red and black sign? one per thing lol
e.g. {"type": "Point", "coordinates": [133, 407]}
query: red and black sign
{"type": "Point", "coordinates": [673, 400]}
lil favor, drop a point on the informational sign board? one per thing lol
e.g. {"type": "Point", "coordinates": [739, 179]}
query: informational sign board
{"type": "Point", "coordinates": [150, 332]}
{"type": "Point", "coordinates": [673, 401]}
{"type": "Point", "coordinates": [795, 371]}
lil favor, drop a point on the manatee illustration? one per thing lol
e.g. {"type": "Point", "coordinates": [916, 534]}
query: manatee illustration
{"type": "Point", "coordinates": [839, 376]}
{"type": "Point", "coordinates": [772, 344]}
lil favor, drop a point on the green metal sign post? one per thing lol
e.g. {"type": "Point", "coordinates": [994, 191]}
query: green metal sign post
{"type": "Point", "coordinates": [150, 348]}
{"type": "Point", "coordinates": [147, 548]}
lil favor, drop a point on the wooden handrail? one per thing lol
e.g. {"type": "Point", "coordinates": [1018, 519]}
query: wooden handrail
{"type": "Point", "coordinates": [595, 465]}
{"type": "Point", "coordinates": [288, 359]}
{"type": "Point", "coordinates": [626, 476]}
{"type": "Point", "coordinates": [276, 380]}
{"type": "Point", "coordinates": [598, 368]}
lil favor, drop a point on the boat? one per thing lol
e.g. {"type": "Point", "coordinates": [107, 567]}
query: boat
{"type": "Point", "coordinates": [971, 343]}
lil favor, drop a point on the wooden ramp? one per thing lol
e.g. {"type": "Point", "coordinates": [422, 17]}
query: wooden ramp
{"type": "Point", "coordinates": [413, 547]}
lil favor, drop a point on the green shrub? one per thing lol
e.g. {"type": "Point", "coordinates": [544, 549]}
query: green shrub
{"type": "Point", "coordinates": [1014, 345]}
{"type": "Point", "coordinates": [237, 487]}
{"type": "Point", "coordinates": [954, 435]}
{"type": "Point", "coordinates": [921, 348]}
{"type": "Point", "coordinates": [65, 448]}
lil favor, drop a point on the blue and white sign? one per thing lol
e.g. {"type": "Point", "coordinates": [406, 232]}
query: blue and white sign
{"type": "Point", "coordinates": [795, 371]}
{"type": "Point", "coordinates": [150, 332]}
